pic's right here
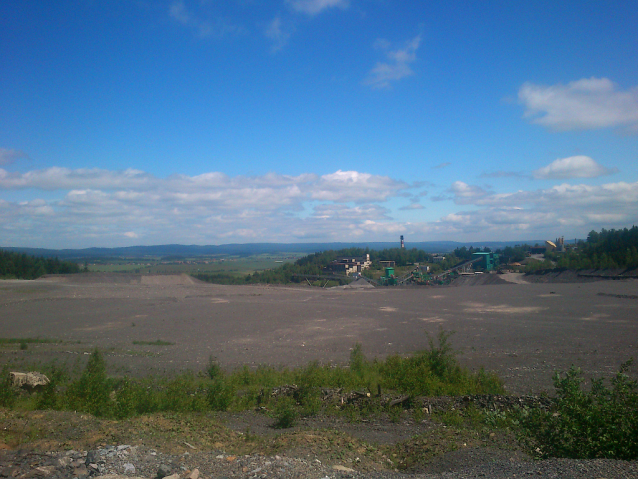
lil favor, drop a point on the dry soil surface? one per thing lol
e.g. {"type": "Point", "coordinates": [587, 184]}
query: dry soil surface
{"type": "Point", "coordinates": [523, 331]}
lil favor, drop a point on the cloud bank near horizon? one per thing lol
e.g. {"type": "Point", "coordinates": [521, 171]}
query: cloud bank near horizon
{"type": "Point", "coordinates": [98, 207]}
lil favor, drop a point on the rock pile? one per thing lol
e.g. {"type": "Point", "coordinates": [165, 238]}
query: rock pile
{"type": "Point", "coordinates": [137, 462]}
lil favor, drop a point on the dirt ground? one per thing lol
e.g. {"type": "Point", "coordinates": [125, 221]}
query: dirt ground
{"type": "Point", "coordinates": [523, 331]}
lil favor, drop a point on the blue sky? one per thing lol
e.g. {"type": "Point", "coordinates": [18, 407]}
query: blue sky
{"type": "Point", "coordinates": [130, 122]}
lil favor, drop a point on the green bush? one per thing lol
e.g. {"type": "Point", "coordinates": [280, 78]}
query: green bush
{"type": "Point", "coordinates": [7, 391]}
{"type": "Point", "coordinates": [599, 423]}
{"type": "Point", "coordinates": [436, 371]}
{"type": "Point", "coordinates": [214, 370]}
{"type": "Point", "coordinates": [182, 394]}
{"type": "Point", "coordinates": [128, 399]}
{"type": "Point", "coordinates": [90, 393]}
{"type": "Point", "coordinates": [220, 394]}
{"type": "Point", "coordinates": [285, 413]}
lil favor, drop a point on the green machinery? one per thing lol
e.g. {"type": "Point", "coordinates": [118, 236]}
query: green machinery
{"type": "Point", "coordinates": [487, 261]}
{"type": "Point", "coordinates": [388, 279]}
{"type": "Point", "coordinates": [416, 277]}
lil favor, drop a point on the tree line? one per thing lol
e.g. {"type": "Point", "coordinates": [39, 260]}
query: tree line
{"type": "Point", "coordinates": [607, 249]}
{"type": "Point", "coordinates": [23, 266]}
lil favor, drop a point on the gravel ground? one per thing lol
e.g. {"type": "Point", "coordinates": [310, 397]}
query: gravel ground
{"type": "Point", "coordinates": [522, 331]}
{"type": "Point", "coordinates": [124, 461]}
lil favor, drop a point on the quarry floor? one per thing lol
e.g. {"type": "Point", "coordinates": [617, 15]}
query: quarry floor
{"type": "Point", "coordinates": [523, 331]}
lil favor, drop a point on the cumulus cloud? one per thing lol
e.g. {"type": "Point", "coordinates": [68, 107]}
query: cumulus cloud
{"type": "Point", "coordinates": [95, 207]}
{"type": "Point", "coordinates": [8, 156]}
{"type": "Point", "coordinates": [312, 7]}
{"type": "Point", "coordinates": [573, 167]}
{"type": "Point", "coordinates": [346, 186]}
{"type": "Point", "coordinates": [101, 207]}
{"type": "Point", "coordinates": [396, 66]}
{"type": "Point", "coordinates": [585, 104]}
{"type": "Point", "coordinates": [465, 194]}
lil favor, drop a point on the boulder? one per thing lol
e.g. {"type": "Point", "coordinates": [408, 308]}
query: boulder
{"type": "Point", "coordinates": [29, 381]}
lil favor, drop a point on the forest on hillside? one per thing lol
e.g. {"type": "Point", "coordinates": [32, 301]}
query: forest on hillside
{"type": "Point", "coordinates": [607, 249]}
{"type": "Point", "coordinates": [23, 266]}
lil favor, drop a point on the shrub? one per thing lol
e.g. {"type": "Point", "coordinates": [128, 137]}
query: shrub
{"type": "Point", "coordinates": [7, 391]}
{"type": "Point", "coordinates": [436, 371]}
{"type": "Point", "coordinates": [285, 413]}
{"type": "Point", "coordinates": [599, 423]}
{"type": "Point", "coordinates": [214, 370]}
{"type": "Point", "coordinates": [220, 394]}
{"type": "Point", "coordinates": [90, 393]}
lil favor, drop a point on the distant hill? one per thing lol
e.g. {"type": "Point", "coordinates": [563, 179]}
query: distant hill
{"type": "Point", "coordinates": [249, 249]}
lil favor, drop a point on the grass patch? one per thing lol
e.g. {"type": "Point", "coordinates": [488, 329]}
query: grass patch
{"type": "Point", "coordinates": [157, 342]}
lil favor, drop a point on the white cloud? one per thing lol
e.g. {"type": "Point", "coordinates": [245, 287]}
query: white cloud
{"type": "Point", "coordinates": [94, 207]}
{"type": "Point", "coordinates": [103, 207]}
{"type": "Point", "coordinates": [312, 7]}
{"type": "Point", "coordinates": [8, 156]}
{"type": "Point", "coordinates": [346, 186]}
{"type": "Point", "coordinates": [573, 167]}
{"type": "Point", "coordinates": [585, 104]}
{"type": "Point", "coordinates": [396, 66]}
{"type": "Point", "coordinates": [464, 193]}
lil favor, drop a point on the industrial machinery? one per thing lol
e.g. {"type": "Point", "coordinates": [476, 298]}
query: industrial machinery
{"type": "Point", "coordinates": [388, 279]}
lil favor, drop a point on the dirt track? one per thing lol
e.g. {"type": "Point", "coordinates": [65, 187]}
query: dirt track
{"type": "Point", "coordinates": [523, 331]}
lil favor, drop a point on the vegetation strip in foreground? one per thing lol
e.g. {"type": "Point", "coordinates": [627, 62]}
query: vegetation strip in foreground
{"type": "Point", "coordinates": [599, 423]}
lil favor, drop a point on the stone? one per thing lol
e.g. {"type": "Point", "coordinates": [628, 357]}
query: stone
{"type": "Point", "coordinates": [30, 380]}
{"type": "Point", "coordinates": [163, 471]}
{"type": "Point", "coordinates": [194, 474]}
{"type": "Point", "coordinates": [91, 457]}
{"type": "Point", "coordinates": [80, 471]}
{"type": "Point", "coordinates": [129, 468]}
{"type": "Point", "coordinates": [342, 468]}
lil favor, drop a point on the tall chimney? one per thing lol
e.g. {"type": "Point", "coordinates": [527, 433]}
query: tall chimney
{"type": "Point", "coordinates": [402, 243]}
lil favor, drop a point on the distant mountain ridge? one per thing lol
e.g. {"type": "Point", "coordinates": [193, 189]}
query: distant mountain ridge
{"type": "Point", "coordinates": [248, 249]}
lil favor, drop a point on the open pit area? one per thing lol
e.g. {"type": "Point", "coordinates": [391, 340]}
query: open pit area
{"type": "Point", "coordinates": [523, 331]}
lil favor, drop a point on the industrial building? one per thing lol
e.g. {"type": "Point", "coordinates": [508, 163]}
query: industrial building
{"type": "Point", "coordinates": [489, 261]}
{"type": "Point", "coordinates": [349, 265]}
